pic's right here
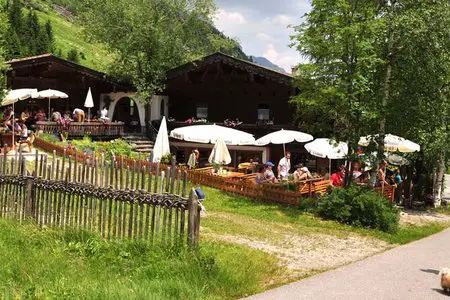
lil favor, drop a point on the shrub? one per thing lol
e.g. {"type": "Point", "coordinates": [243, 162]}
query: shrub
{"type": "Point", "coordinates": [359, 206]}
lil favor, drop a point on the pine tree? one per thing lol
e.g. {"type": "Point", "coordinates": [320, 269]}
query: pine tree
{"type": "Point", "coordinates": [50, 36]}
{"type": "Point", "coordinates": [72, 55]}
{"type": "Point", "coordinates": [15, 16]}
{"type": "Point", "coordinates": [13, 44]}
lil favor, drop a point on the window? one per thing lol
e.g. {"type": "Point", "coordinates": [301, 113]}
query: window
{"type": "Point", "coordinates": [263, 112]}
{"type": "Point", "coordinates": [132, 108]}
{"type": "Point", "coordinates": [161, 108]}
{"type": "Point", "coordinates": [202, 111]}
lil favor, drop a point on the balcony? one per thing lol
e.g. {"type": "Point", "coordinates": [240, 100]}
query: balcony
{"type": "Point", "coordinates": [75, 129]}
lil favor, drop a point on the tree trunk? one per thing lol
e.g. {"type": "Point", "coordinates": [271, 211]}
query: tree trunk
{"type": "Point", "coordinates": [387, 81]}
{"type": "Point", "coordinates": [439, 182]}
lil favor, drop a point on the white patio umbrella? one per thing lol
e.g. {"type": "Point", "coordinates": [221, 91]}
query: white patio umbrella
{"type": "Point", "coordinates": [161, 146]}
{"type": "Point", "coordinates": [220, 154]}
{"type": "Point", "coordinates": [392, 143]}
{"type": "Point", "coordinates": [284, 137]}
{"type": "Point", "coordinates": [327, 148]}
{"type": "Point", "coordinates": [210, 133]}
{"type": "Point", "coordinates": [50, 94]}
{"type": "Point", "coordinates": [12, 97]}
{"type": "Point", "coordinates": [89, 103]}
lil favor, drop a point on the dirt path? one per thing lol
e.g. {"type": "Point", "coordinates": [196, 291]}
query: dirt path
{"type": "Point", "coordinates": [411, 217]}
{"type": "Point", "coordinates": [306, 255]}
{"type": "Point", "coordinates": [302, 251]}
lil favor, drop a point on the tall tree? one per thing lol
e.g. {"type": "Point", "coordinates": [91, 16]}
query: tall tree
{"type": "Point", "coordinates": [4, 28]}
{"type": "Point", "coordinates": [419, 105]}
{"type": "Point", "coordinates": [50, 36]}
{"type": "Point", "coordinates": [151, 37]}
{"type": "Point", "coordinates": [341, 40]}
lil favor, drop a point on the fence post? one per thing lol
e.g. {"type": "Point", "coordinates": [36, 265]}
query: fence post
{"type": "Point", "coordinates": [193, 220]}
{"type": "Point", "coordinates": [31, 197]}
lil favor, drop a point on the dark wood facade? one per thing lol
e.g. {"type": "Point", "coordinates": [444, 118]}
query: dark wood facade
{"type": "Point", "coordinates": [231, 88]}
{"type": "Point", "coordinates": [50, 72]}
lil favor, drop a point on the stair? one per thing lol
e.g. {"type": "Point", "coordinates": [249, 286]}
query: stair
{"type": "Point", "coordinates": [140, 143]}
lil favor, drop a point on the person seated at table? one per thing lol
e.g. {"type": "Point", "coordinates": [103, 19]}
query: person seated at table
{"type": "Point", "coordinates": [22, 130]}
{"type": "Point", "coordinates": [260, 178]}
{"type": "Point", "coordinates": [17, 127]}
{"type": "Point", "coordinates": [269, 176]}
{"type": "Point", "coordinates": [25, 115]}
{"type": "Point", "coordinates": [78, 115]}
{"type": "Point", "coordinates": [8, 114]}
{"type": "Point", "coordinates": [302, 173]}
{"type": "Point", "coordinates": [56, 116]}
{"type": "Point", "coordinates": [40, 115]}
{"type": "Point", "coordinates": [337, 178]}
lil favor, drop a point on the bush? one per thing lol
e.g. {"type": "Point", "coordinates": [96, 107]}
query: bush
{"type": "Point", "coordinates": [360, 206]}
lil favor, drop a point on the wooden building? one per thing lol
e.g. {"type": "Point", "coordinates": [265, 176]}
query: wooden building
{"type": "Point", "coordinates": [47, 71]}
{"type": "Point", "coordinates": [219, 87]}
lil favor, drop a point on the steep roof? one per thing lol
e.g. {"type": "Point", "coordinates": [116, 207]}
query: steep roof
{"type": "Point", "coordinates": [50, 58]}
{"type": "Point", "coordinates": [234, 62]}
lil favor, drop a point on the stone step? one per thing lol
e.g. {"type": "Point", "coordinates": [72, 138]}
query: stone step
{"type": "Point", "coordinates": [143, 150]}
{"type": "Point", "coordinates": [135, 137]}
{"type": "Point", "coordinates": [135, 147]}
{"type": "Point", "coordinates": [142, 142]}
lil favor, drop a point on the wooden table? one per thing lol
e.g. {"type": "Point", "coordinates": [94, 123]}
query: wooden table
{"type": "Point", "coordinates": [231, 174]}
{"type": "Point", "coordinates": [6, 139]}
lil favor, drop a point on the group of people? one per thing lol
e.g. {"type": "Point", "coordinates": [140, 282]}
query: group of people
{"type": "Point", "coordinates": [30, 117]}
{"type": "Point", "coordinates": [267, 175]}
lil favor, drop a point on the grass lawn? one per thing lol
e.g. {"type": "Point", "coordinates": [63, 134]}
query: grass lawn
{"type": "Point", "coordinates": [237, 207]}
{"type": "Point", "coordinates": [246, 247]}
{"type": "Point", "coordinates": [52, 264]}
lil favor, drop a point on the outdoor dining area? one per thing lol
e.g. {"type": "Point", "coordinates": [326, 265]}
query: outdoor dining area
{"type": "Point", "coordinates": [279, 180]}
{"type": "Point", "coordinates": [22, 127]}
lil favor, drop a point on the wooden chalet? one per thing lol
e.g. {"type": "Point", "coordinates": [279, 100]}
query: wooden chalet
{"type": "Point", "coordinates": [219, 87]}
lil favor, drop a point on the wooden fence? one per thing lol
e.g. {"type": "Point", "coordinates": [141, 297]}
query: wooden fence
{"type": "Point", "coordinates": [267, 192]}
{"type": "Point", "coordinates": [135, 202]}
{"type": "Point", "coordinates": [75, 129]}
{"type": "Point", "coordinates": [243, 186]}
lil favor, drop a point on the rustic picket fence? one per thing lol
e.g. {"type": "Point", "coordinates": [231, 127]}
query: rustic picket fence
{"type": "Point", "coordinates": [118, 202]}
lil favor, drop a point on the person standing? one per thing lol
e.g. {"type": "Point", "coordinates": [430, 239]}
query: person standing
{"type": "Point", "coordinates": [193, 159]}
{"type": "Point", "coordinates": [104, 114]}
{"type": "Point", "coordinates": [284, 166]}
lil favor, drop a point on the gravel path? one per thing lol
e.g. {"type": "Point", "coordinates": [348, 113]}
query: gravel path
{"type": "Point", "coordinates": [406, 272]}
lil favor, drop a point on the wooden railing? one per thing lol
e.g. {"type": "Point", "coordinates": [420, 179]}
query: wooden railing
{"type": "Point", "coordinates": [116, 202]}
{"type": "Point", "coordinates": [74, 129]}
{"type": "Point", "coordinates": [246, 186]}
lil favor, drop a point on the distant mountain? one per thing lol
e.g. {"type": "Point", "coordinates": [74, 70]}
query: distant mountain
{"type": "Point", "coordinates": [266, 63]}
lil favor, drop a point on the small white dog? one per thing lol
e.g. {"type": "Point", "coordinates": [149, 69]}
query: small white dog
{"type": "Point", "coordinates": [445, 279]}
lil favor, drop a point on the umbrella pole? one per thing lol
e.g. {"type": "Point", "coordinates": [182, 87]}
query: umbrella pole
{"type": "Point", "coordinates": [48, 116]}
{"type": "Point", "coordinates": [89, 114]}
{"type": "Point", "coordinates": [13, 129]}
{"type": "Point", "coordinates": [284, 150]}
{"type": "Point", "coordinates": [329, 167]}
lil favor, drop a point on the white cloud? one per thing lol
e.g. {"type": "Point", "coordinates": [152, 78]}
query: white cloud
{"type": "Point", "coordinates": [235, 17]}
{"type": "Point", "coordinates": [263, 36]}
{"type": "Point", "coordinates": [283, 20]}
{"type": "Point", "coordinates": [261, 26]}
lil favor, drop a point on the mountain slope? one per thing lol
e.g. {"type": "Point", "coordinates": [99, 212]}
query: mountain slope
{"type": "Point", "coordinates": [266, 63]}
{"type": "Point", "coordinates": [69, 35]}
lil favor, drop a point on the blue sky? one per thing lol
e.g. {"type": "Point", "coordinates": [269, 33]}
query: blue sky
{"type": "Point", "coordinates": [261, 26]}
